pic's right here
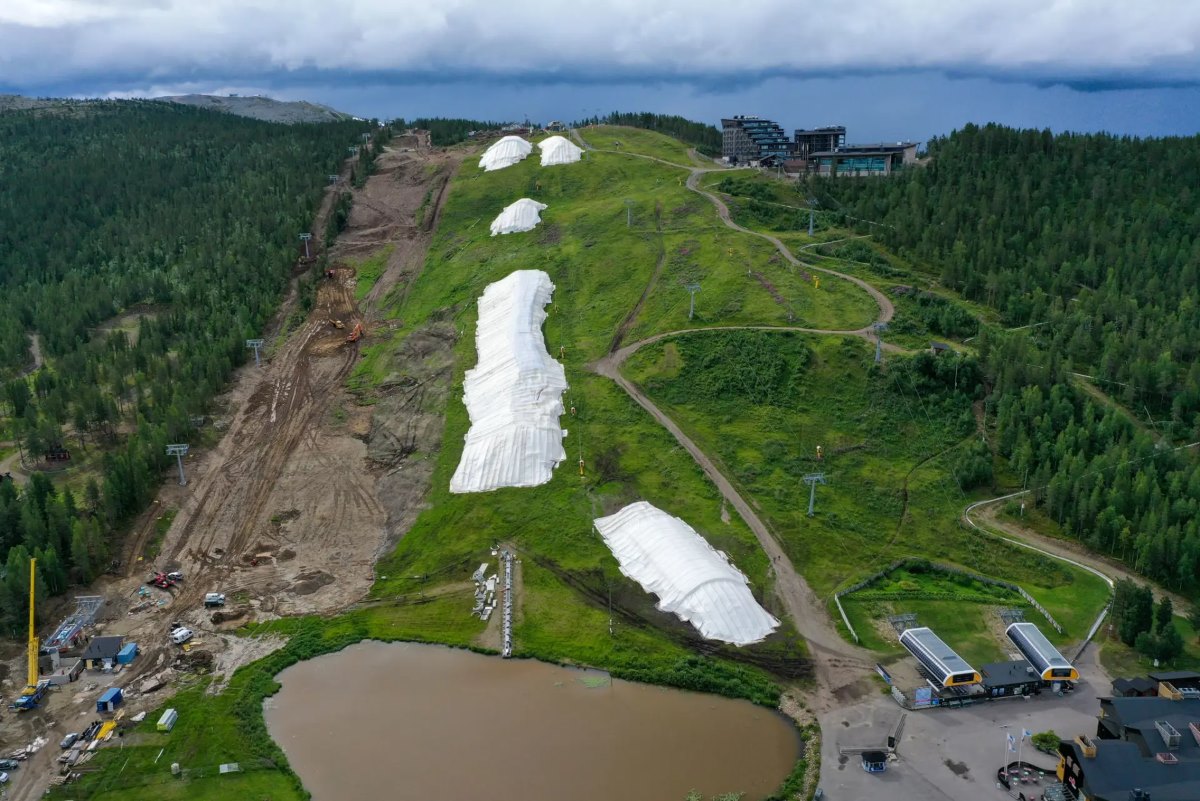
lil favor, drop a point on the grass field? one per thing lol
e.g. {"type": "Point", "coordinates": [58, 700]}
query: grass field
{"type": "Point", "coordinates": [636, 140]}
{"type": "Point", "coordinates": [888, 448]}
{"type": "Point", "coordinates": [1121, 661]}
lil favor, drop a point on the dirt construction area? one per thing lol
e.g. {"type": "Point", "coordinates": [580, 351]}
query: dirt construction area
{"type": "Point", "coordinates": [290, 509]}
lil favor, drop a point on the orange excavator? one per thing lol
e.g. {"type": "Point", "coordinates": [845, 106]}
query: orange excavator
{"type": "Point", "coordinates": [356, 334]}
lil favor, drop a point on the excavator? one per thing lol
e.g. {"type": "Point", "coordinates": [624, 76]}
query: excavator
{"type": "Point", "coordinates": [34, 689]}
{"type": "Point", "coordinates": [356, 334]}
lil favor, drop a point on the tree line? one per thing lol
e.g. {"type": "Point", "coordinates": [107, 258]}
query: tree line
{"type": "Point", "coordinates": [704, 137]}
{"type": "Point", "coordinates": [1087, 244]}
{"type": "Point", "coordinates": [189, 216]}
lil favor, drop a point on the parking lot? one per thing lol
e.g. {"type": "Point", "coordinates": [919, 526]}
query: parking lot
{"type": "Point", "coordinates": [950, 753]}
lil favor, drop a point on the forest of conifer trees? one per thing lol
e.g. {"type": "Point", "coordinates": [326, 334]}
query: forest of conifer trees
{"type": "Point", "coordinates": [189, 216]}
{"type": "Point", "coordinates": [1089, 244]}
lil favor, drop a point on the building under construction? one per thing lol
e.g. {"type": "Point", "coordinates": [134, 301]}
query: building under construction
{"type": "Point", "coordinates": [810, 151]}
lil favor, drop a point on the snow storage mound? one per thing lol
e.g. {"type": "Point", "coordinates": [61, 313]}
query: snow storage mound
{"type": "Point", "coordinates": [692, 580]}
{"type": "Point", "coordinates": [504, 153]}
{"type": "Point", "coordinates": [514, 393]}
{"type": "Point", "coordinates": [524, 215]}
{"type": "Point", "coordinates": [557, 150]}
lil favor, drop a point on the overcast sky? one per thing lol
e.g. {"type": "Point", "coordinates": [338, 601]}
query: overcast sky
{"type": "Point", "coordinates": [895, 68]}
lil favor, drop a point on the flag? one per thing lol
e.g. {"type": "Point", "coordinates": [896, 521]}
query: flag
{"type": "Point", "coordinates": [1026, 733]}
{"type": "Point", "coordinates": [1012, 742]}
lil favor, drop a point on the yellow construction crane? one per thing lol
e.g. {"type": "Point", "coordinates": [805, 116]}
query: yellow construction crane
{"type": "Point", "coordinates": [34, 689]}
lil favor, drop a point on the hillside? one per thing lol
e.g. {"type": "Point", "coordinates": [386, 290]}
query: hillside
{"type": "Point", "coordinates": [715, 357]}
{"type": "Point", "coordinates": [147, 242]}
{"type": "Point", "coordinates": [261, 108]}
{"type": "Point", "coordinates": [1085, 246]}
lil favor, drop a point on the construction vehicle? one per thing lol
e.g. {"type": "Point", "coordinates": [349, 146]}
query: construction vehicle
{"type": "Point", "coordinates": [356, 334]}
{"type": "Point", "coordinates": [34, 689]}
{"type": "Point", "coordinates": [162, 581]}
{"type": "Point", "coordinates": [336, 323]}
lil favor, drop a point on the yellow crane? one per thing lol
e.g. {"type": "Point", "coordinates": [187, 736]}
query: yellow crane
{"type": "Point", "coordinates": [34, 689]}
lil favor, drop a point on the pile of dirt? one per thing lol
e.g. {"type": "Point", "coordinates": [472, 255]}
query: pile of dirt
{"type": "Point", "coordinates": [196, 660]}
{"type": "Point", "coordinates": [406, 427]}
{"type": "Point", "coordinates": [310, 581]}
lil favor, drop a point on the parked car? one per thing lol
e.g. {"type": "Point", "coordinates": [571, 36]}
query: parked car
{"type": "Point", "coordinates": [180, 635]}
{"type": "Point", "coordinates": [214, 599]}
{"type": "Point", "coordinates": [69, 740]}
{"type": "Point", "coordinates": [175, 575]}
{"type": "Point", "coordinates": [9, 764]}
{"type": "Point", "coordinates": [3, 778]}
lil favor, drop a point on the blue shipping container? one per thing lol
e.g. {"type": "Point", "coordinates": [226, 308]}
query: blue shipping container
{"type": "Point", "coordinates": [110, 700]}
{"type": "Point", "coordinates": [126, 654]}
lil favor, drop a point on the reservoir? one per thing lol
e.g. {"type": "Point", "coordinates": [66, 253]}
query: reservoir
{"type": "Point", "coordinates": [415, 722]}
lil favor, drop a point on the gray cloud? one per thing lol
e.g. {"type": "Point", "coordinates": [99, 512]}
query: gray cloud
{"type": "Point", "coordinates": [142, 42]}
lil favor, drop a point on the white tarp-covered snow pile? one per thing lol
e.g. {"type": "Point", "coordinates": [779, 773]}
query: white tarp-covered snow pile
{"type": "Point", "coordinates": [514, 393]}
{"type": "Point", "coordinates": [691, 579]}
{"type": "Point", "coordinates": [523, 215]}
{"type": "Point", "coordinates": [557, 150]}
{"type": "Point", "coordinates": [504, 153]}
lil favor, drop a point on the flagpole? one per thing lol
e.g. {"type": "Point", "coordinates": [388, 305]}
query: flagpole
{"type": "Point", "coordinates": [1020, 748]}
{"type": "Point", "coordinates": [1004, 764]}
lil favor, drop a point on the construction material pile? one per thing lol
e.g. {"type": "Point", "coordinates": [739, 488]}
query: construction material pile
{"type": "Point", "coordinates": [558, 150]}
{"type": "Point", "coordinates": [513, 394]}
{"type": "Point", "coordinates": [524, 215]}
{"type": "Point", "coordinates": [692, 580]}
{"type": "Point", "coordinates": [504, 153]}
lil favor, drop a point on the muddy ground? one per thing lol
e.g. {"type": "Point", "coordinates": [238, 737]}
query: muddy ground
{"type": "Point", "coordinates": [306, 487]}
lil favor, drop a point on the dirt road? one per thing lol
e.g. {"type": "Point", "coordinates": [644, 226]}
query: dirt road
{"type": "Point", "coordinates": [289, 511]}
{"type": "Point", "coordinates": [841, 667]}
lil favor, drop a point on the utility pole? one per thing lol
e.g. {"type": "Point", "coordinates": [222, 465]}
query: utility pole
{"type": "Point", "coordinates": [333, 178]}
{"type": "Point", "coordinates": [305, 238]}
{"type": "Point", "coordinates": [879, 328]}
{"type": "Point", "coordinates": [693, 289]}
{"type": "Point", "coordinates": [256, 344]}
{"type": "Point", "coordinates": [812, 480]}
{"type": "Point", "coordinates": [628, 212]}
{"type": "Point", "coordinates": [179, 451]}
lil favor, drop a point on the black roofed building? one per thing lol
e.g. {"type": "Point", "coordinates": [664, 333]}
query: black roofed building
{"type": "Point", "coordinates": [1001, 679]}
{"type": "Point", "coordinates": [1146, 744]}
{"type": "Point", "coordinates": [101, 650]}
{"type": "Point", "coordinates": [1142, 687]}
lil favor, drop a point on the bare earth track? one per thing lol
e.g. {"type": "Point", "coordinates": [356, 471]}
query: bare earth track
{"type": "Point", "coordinates": [286, 514]}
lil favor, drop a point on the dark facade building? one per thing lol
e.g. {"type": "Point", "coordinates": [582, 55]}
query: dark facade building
{"type": "Point", "coordinates": [860, 160]}
{"type": "Point", "coordinates": [1135, 688]}
{"type": "Point", "coordinates": [1002, 679]}
{"type": "Point", "coordinates": [817, 140]}
{"type": "Point", "coordinates": [746, 139]}
{"type": "Point", "coordinates": [1151, 745]}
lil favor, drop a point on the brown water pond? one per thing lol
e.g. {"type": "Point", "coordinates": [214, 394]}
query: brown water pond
{"type": "Point", "coordinates": [410, 722]}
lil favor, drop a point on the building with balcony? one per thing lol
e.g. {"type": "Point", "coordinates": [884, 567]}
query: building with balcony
{"type": "Point", "coordinates": [748, 139]}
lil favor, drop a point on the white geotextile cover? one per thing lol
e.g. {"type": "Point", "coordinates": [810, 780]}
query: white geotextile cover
{"type": "Point", "coordinates": [514, 393]}
{"type": "Point", "coordinates": [523, 215]}
{"type": "Point", "coordinates": [505, 153]}
{"type": "Point", "coordinates": [692, 580]}
{"type": "Point", "coordinates": [558, 150]}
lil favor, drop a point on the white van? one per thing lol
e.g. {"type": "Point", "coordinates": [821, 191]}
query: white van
{"type": "Point", "coordinates": [181, 635]}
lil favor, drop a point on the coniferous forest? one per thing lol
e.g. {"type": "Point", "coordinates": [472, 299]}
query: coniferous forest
{"type": "Point", "coordinates": [188, 215]}
{"type": "Point", "coordinates": [1089, 245]}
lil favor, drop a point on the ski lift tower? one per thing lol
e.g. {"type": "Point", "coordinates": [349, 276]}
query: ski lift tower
{"type": "Point", "coordinates": [879, 329]}
{"type": "Point", "coordinates": [812, 480]}
{"type": "Point", "coordinates": [257, 345]}
{"type": "Point", "coordinates": [305, 238]}
{"type": "Point", "coordinates": [179, 451]}
{"type": "Point", "coordinates": [692, 289]}
{"type": "Point", "coordinates": [812, 215]}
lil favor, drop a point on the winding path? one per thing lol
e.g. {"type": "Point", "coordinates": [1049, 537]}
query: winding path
{"type": "Point", "coordinates": [840, 666]}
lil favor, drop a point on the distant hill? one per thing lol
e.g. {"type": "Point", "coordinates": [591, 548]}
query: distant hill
{"type": "Point", "coordinates": [258, 108]}
{"type": "Point", "coordinates": [263, 108]}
